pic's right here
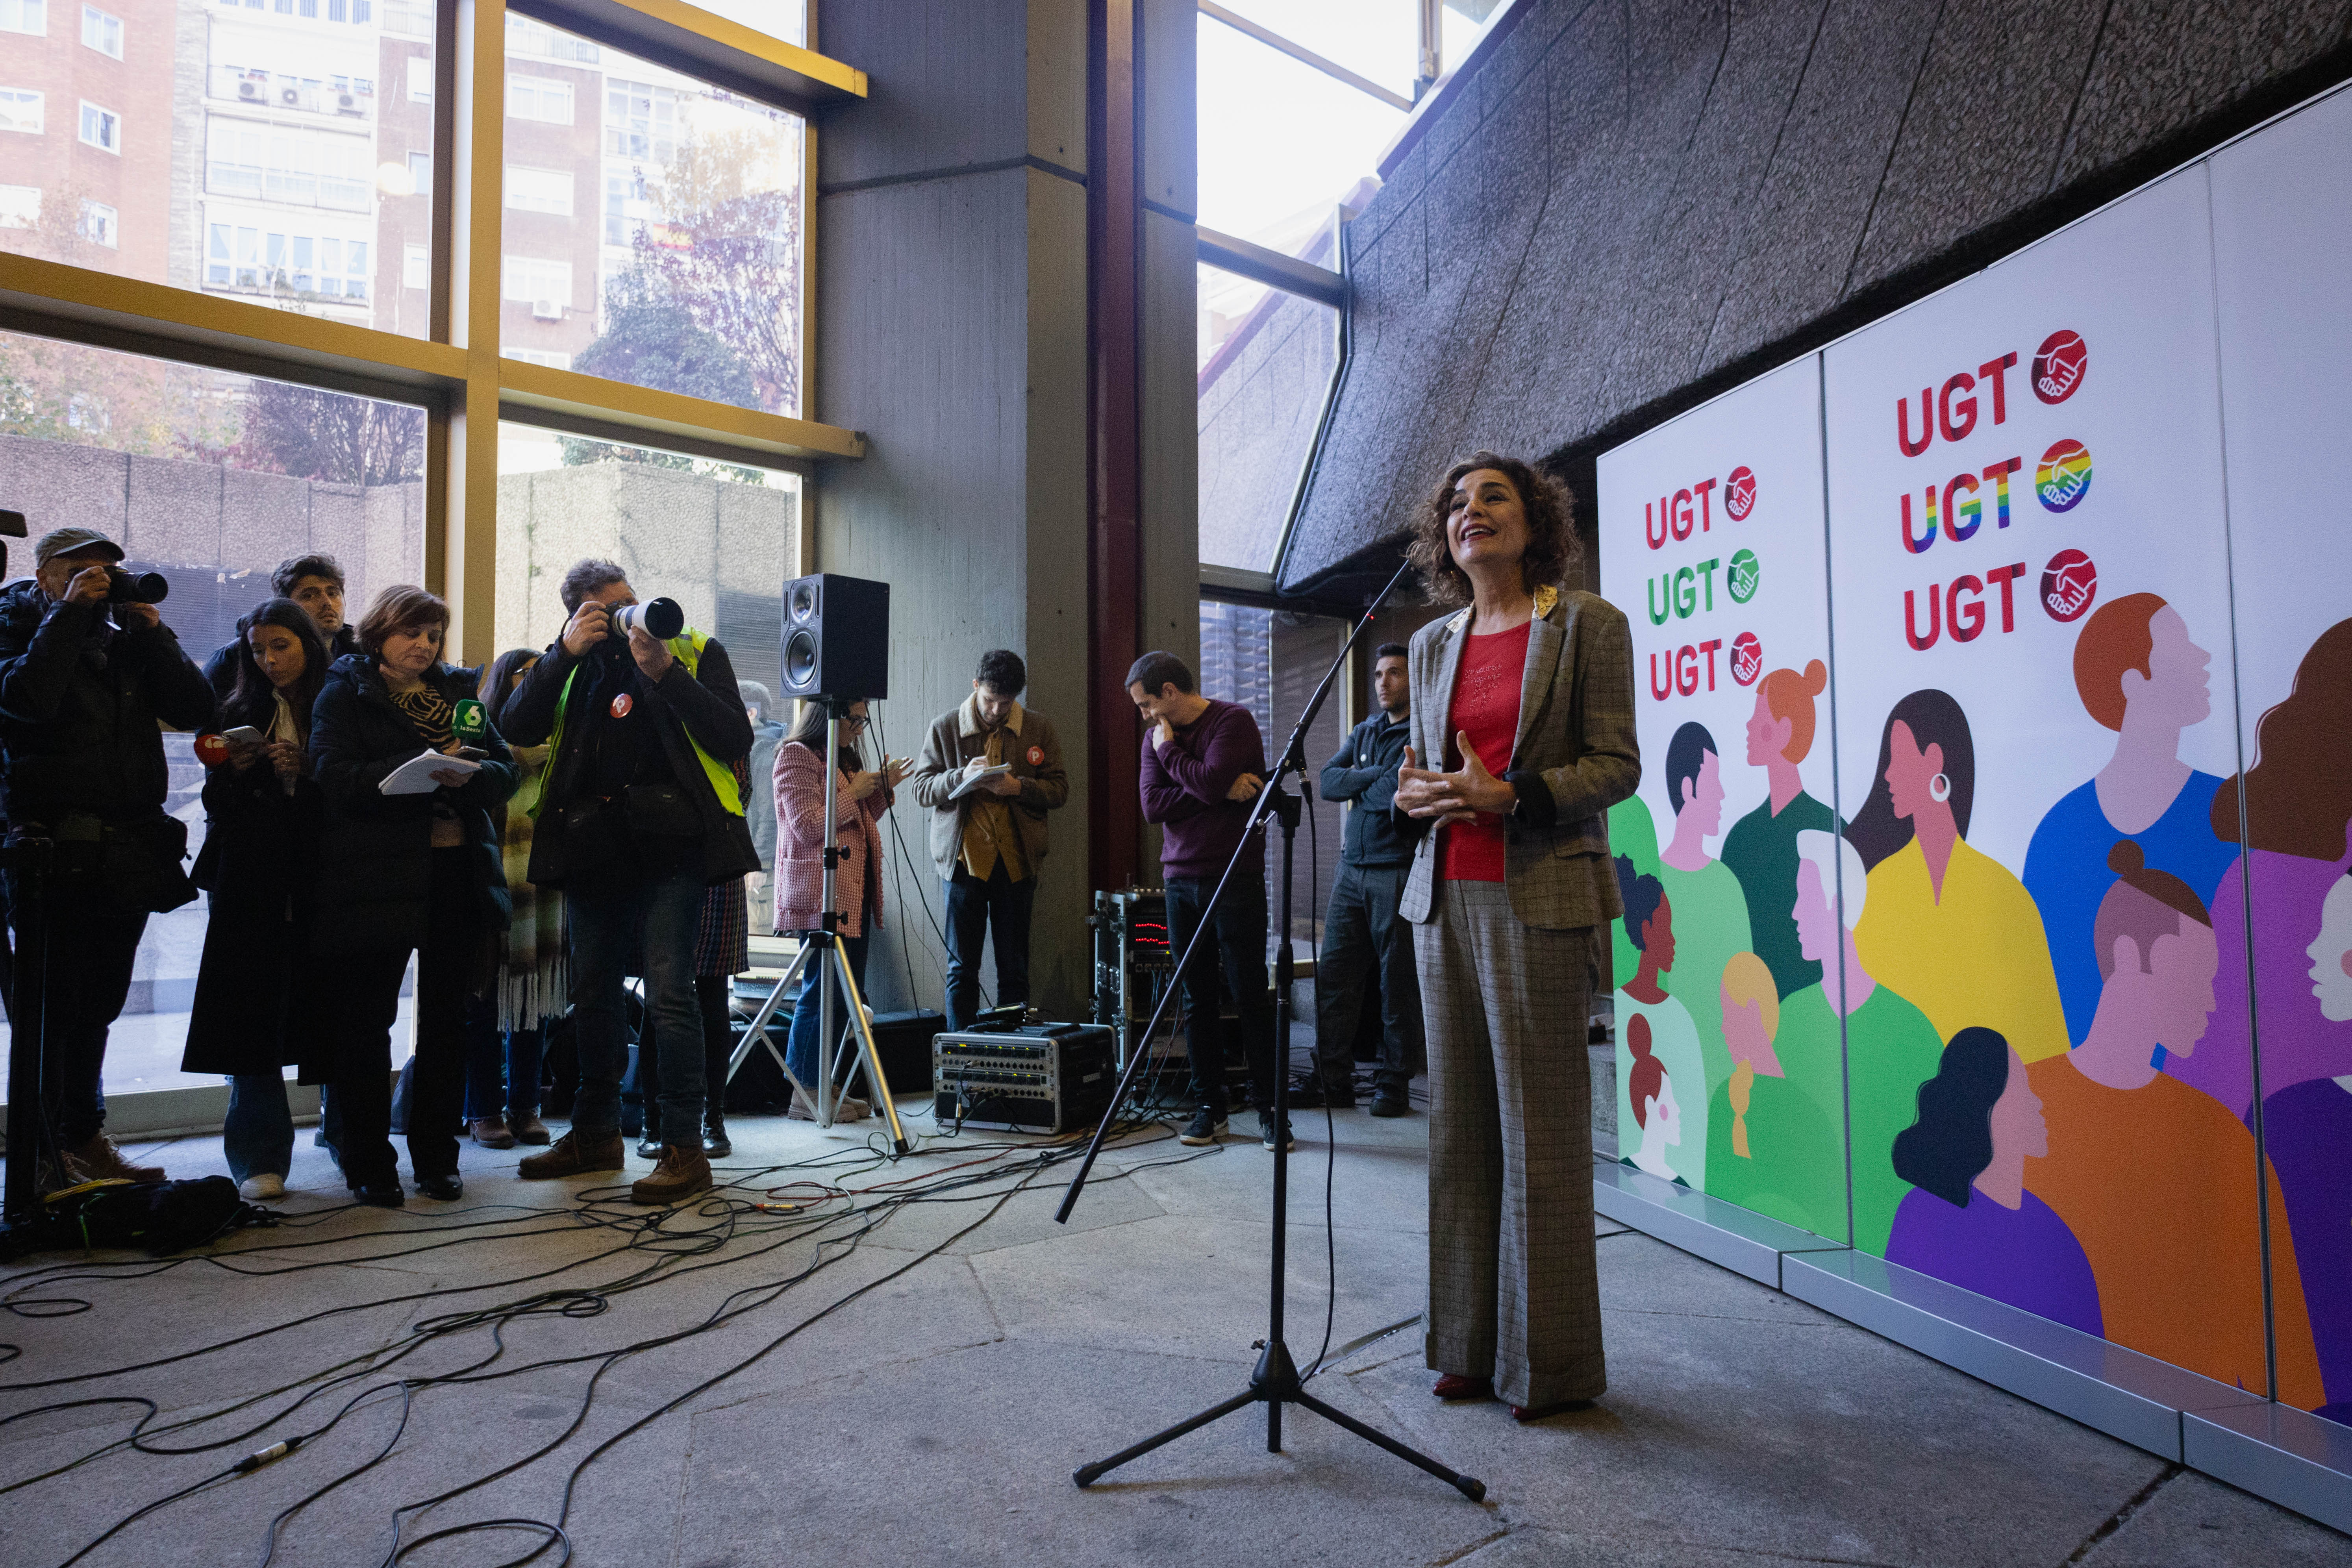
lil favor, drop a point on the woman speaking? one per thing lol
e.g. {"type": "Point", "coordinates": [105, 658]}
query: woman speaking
{"type": "Point", "coordinates": [1525, 699]}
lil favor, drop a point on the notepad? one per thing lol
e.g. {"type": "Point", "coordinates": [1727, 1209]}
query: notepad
{"type": "Point", "coordinates": [970, 785]}
{"type": "Point", "coordinates": [414, 776]}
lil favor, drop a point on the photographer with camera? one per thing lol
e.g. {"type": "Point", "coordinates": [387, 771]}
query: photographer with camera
{"type": "Point", "coordinates": [638, 815]}
{"type": "Point", "coordinates": [402, 872]}
{"type": "Point", "coordinates": [89, 676]}
{"type": "Point", "coordinates": [260, 1003]}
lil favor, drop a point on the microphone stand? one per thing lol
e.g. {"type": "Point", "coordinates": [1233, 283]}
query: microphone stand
{"type": "Point", "coordinates": [1274, 1381]}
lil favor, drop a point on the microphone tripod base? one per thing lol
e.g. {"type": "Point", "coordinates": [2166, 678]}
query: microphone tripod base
{"type": "Point", "coordinates": [1275, 1382]}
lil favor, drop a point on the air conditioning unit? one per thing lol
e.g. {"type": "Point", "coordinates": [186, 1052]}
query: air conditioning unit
{"type": "Point", "coordinates": [546, 310]}
{"type": "Point", "coordinates": [346, 104]}
{"type": "Point", "coordinates": [250, 91]}
{"type": "Point", "coordinates": [289, 96]}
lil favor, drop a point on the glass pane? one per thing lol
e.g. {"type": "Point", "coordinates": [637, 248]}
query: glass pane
{"type": "Point", "coordinates": [1465, 21]}
{"type": "Point", "coordinates": [652, 225]}
{"type": "Point", "coordinates": [720, 537]}
{"type": "Point", "coordinates": [212, 479]}
{"type": "Point", "coordinates": [785, 20]}
{"type": "Point", "coordinates": [1253, 97]}
{"type": "Point", "coordinates": [1270, 662]}
{"type": "Point", "coordinates": [1262, 389]}
{"type": "Point", "coordinates": [230, 116]}
{"type": "Point", "coordinates": [1379, 40]}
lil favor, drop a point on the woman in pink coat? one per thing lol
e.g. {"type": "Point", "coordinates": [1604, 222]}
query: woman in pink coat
{"type": "Point", "coordinates": [861, 796]}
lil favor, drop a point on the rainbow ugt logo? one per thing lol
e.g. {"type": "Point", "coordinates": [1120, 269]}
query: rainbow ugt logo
{"type": "Point", "coordinates": [2064, 478]}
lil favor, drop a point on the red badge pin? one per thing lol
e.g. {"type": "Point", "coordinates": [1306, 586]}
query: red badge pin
{"type": "Point", "coordinates": [622, 704]}
{"type": "Point", "coordinates": [211, 750]}
{"type": "Point", "coordinates": [1037, 756]}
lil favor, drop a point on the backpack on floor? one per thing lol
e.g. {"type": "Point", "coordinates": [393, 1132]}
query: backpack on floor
{"type": "Point", "coordinates": [159, 1217]}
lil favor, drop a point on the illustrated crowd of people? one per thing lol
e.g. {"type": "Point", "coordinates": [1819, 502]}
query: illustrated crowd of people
{"type": "Point", "coordinates": [2047, 1079]}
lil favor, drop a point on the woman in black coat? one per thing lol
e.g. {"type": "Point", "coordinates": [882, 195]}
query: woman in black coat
{"type": "Point", "coordinates": [403, 873]}
{"type": "Point", "coordinates": [258, 1006]}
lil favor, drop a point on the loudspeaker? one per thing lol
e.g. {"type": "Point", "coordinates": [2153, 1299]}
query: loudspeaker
{"type": "Point", "coordinates": [836, 640]}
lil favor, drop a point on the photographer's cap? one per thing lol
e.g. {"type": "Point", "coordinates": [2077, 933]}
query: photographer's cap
{"type": "Point", "coordinates": [69, 540]}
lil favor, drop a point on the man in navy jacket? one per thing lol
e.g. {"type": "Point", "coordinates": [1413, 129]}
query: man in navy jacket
{"type": "Point", "coordinates": [1362, 929]}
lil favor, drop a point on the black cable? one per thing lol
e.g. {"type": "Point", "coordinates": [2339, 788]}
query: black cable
{"type": "Point", "coordinates": [1330, 1126]}
{"type": "Point", "coordinates": [669, 1235]}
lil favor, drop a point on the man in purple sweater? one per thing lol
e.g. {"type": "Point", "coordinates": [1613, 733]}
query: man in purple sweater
{"type": "Point", "coordinates": [1202, 764]}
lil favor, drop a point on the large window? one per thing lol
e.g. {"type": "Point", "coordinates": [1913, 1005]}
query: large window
{"type": "Point", "coordinates": [280, 157]}
{"type": "Point", "coordinates": [257, 117]}
{"type": "Point", "coordinates": [689, 269]}
{"type": "Point", "coordinates": [720, 537]}
{"type": "Point", "coordinates": [213, 479]}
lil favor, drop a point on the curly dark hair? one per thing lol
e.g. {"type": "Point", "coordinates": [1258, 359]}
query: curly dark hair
{"type": "Point", "coordinates": [1554, 551]}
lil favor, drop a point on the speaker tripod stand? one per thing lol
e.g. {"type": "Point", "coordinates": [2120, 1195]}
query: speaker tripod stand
{"type": "Point", "coordinates": [822, 963]}
{"type": "Point", "coordinates": [1274, 1382]}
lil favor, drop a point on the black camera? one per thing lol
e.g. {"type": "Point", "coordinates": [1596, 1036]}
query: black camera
{"type": "Point", "coordinates": [136, 587]}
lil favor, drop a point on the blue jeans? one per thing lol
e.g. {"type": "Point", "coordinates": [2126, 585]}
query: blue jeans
{"type": "Point", "coordinates": [976, 909]}
{"type": "Point", "coordinates": [800, 1048]}
{"type": "Point", "coordinates": [501, 1069]}
{"type": "Point", "coordinates": [257, 1136]}
{"type": "Point", "coordinates": [659, 916]}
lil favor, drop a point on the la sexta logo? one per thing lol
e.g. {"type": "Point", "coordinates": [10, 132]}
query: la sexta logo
{"type": "Point", "coordinates": [2069, 582]}
{"type": "Point", "coordinates": [2064, 475]}
{"type": "Point", "coordinates": [1746, 659]}
{"type": "Point", "coordinates": [2059, 365]}
{"type": "Point", "coordinates": [1740, 494]}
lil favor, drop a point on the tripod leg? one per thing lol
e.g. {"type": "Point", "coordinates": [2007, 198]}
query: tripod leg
{"type": "Point", "coordinates": [1470, 1487]}
{"type": "Point", "coordinates": [881, 1085]}
{"type": "Point", "coordinates": [756, 1035]}
{"type": "Point", "coordinates": [1087, 1475]}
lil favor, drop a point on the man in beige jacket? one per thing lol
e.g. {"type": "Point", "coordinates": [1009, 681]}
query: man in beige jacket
{"type": "Point", "coordinates": [989, 839]}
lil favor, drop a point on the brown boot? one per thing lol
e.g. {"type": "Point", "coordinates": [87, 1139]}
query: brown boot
{"type": "Point", "coordinates": [681, 1173]}
{"type": "Point", "coordinates": [529, 1128]}
{"type": "Point", "coordinates": [572, 1154]}
{"type": "Point", "coordinates": [490, 1133]}
{"type": "Point", "coordinates": [96, 1159]}
{"type": "Point", "coordinates": [848, 1107]}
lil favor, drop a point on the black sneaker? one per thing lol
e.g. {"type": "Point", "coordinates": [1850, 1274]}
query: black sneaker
{"type": "Point", "coordinates": [1391, 1105]}
{"type": "Point", "coordinates": [1208, 1126]}
{"type": "Point", "coordinates": [1272, 1132]}
{"type": "Point", "coordinates": [649, 1147]}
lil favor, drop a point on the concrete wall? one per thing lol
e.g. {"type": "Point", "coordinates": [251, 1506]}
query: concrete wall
{"type": "Point", "coordinates": [952, 329]}
{"type": "Point", "coordinates": [1627, 208]}
{"type": "Point", "coordinates": [682, 535]}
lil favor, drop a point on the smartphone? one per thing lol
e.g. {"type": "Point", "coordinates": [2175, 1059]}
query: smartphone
{"type": "Point", "coordinates": [245, 734]}
{"type": "Point", "coordinates": [473, 754]}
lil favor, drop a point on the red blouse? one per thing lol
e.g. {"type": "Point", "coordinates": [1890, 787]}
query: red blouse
{"type": "Point", "coordinates": [1486, 708]}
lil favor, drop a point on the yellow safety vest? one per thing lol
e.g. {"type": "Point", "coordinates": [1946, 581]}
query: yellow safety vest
{"type": "Point", "coordinates": [686, 648]}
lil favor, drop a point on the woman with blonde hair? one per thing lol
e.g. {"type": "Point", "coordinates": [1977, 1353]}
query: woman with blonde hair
{"type": "Point", "coordinates": [1771, 1143]}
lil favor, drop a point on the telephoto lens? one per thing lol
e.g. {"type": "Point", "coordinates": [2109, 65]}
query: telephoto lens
{"type": "Point", "coordinates": [662, 619]}
{"type": "Point", "coordinates": [136, 587]}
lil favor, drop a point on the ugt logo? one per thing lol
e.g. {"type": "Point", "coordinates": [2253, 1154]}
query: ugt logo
{"type": "Point", "coordinates": [2064, 477]}
{"type": "Point", "coordinates": [1744, 573]}
{"type": "Point", "coordinates": [1740, 493]}
{"type": "Point", "coordinates": [1746, 659]}
{"type": "Point", "coordinates": [2059, 365]}
{"type": "Point", "coordinates": [2069, 582]}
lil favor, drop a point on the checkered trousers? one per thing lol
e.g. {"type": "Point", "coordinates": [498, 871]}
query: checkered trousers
{"type": "Point", "coordinates": [1514, 1290]}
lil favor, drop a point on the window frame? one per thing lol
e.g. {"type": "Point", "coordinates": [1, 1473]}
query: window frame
{"type": "Point", "coordinates": [18, 8]}
{"type": "Point", "coordinates": [108, 121]}
{"type": "Point", "coordinates": [40, 102]}
{"type": "Point", "coordinates": [104, 19]}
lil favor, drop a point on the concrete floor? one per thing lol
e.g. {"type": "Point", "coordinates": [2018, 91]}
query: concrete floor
{"type": "Point", "coordinates": [937, 1415]}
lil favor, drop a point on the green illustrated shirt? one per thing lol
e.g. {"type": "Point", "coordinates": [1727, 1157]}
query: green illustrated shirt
{"type": "Point", "coordinates": [1674, 1040]}
{"type": "Point", "coordinates": [1891, 1049]}
{"type": "Point", "coordinates": [1794, 1171]}
{"type": "Point", "coordinates": [1710, 925]}
{"type": "Point", "coordinates": [1762, 850]}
